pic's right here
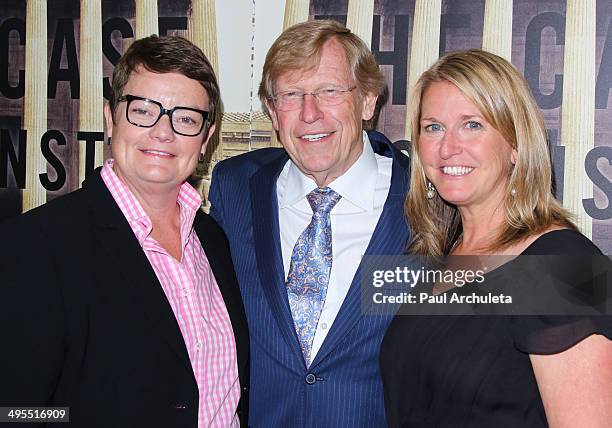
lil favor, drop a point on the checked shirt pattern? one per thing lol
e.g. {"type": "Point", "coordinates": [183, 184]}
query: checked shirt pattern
{"type": "Point", "coordinates": [311, 263]}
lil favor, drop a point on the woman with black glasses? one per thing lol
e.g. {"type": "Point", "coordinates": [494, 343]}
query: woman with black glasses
{"type": "Point", "coordinates": [131, 314]}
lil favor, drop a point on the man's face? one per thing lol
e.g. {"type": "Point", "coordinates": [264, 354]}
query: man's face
{"type": "Point", "coordinates": [156, 159]}
{"type": "Point", "coordinates": [323, 141]}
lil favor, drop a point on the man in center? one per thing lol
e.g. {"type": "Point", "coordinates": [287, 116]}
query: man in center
{"type": "Point", "coordinates": [299, 221]}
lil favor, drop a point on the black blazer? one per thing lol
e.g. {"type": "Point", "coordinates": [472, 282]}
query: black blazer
{"type": "Point", "coordinates": [85, 323]}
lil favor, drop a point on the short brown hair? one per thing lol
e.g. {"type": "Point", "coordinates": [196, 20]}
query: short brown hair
{"type": "Point", "coordinates": [299, 48]}
{"type": "Point", "coordinates": [504, 99]}
{"type": "Point", "coordinates": [166, 54]}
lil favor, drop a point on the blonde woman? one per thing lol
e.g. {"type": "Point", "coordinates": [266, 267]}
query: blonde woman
{"type": "Point", "coordinates": [481, 185]}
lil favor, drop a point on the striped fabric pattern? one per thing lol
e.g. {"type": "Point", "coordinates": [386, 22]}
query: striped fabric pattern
{"type": "Point", "coordinates": [342, 386]}
{"type": "Point", "coordinates": [195, 299]}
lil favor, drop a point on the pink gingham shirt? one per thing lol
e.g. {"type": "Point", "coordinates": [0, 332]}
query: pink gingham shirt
{"type": "Point", "coordinates": [194, 296]}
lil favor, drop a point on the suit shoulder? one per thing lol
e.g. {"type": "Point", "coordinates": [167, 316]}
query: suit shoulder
{"type": "Point", "coordinates": [63, 208]}
{"type": "Point", "coordinates": [210, 233]}
{"type": "Point", "coordinates": [209, 224]}
{"type": "Point", "coordinates": [52, 222]}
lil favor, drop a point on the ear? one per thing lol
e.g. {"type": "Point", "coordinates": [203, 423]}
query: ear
{"type": "Point", "coordinates": [369, 104]}
{"type": "Point", "coordinates": [108, 120]}
{"type": "Point", "coordinates": [273, 115]}
{"type": "Point", "coordinates": [211, 131]}
{"type": "Point", "coordinates": [513, 157]}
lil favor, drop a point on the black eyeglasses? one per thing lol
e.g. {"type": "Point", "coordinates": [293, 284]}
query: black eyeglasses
{"type": "Point", "coordinates": [146, 113]}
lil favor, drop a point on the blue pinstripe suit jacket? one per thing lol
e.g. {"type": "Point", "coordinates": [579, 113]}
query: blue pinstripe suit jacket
{"type": "Point", "coordinates": [342, 387]}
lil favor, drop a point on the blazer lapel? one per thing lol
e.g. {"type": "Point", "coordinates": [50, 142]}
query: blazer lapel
{"type": "Point", "coordinates": [124, 253]}
{"type": "Point", "coordinates": [390, 237]}
{"type": "Point", "coordinates": [221, 265]}
{"type": "Point", "coordinates": [266, 236]}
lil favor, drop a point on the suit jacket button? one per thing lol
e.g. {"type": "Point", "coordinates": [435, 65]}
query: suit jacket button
{"type": "Point", "coordinates": [179, 406]}
{"type": "Point", "coordinates": [310, 379]}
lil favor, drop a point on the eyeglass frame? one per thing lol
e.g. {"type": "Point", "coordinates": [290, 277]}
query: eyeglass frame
{"type": "Point", "coordinates": [162, 111]}
{"type": "Point", "coordinates": [314, 94]}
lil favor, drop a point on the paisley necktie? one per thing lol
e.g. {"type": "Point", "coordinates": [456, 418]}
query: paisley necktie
{"type": "Point", "coordinates": [310, 267]}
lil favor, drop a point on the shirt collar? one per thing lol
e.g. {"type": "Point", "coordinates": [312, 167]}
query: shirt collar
{"type": "Point", "coordinates": [356, 185]}
{"type": "Point", "coordinates": [189, 201]}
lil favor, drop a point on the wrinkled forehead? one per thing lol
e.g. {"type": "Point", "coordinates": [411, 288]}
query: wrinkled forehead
{"type": "Point", "coordinates": [292, 77]}
{"type": "Point", "coordinates": [309, 80]}
{"type": "Point", "coordinates": [331, 67]}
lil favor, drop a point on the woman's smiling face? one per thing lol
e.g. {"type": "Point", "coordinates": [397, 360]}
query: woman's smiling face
{"type": "Point", "coordinates": [466, 159]}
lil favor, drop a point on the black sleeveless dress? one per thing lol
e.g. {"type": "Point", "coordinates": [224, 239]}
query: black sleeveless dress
{"type": "Point", "coordinates": [474, 371]}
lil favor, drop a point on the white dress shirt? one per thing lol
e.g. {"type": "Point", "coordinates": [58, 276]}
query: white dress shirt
{"type": "Point", "coordinates": [364, 188]}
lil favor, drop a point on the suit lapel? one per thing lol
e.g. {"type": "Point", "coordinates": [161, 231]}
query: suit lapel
{"type": "Point", "coordinates": [266, 236]}
{"type": "Point", "coordinates": [219, 259]}
{"type": "Point", "coordinates": [123, 252]}
{"type": "Point", "coordinates": [390, 237]}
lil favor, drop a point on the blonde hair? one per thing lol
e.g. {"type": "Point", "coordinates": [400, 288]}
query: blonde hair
{"type": "Point", "coordinates": [503, 97]}
{"type": "Point", "coordinates": [299, 47]}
